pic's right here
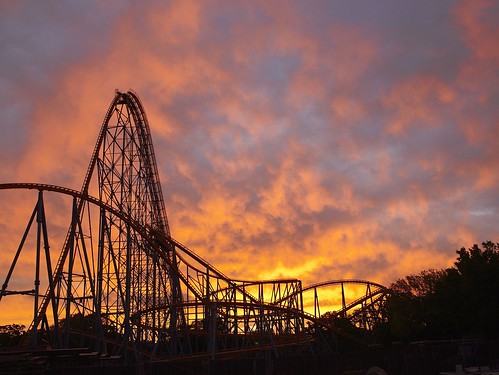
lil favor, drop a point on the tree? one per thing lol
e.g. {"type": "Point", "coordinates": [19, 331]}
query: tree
{"type": "Point", "coordinates": [410, 307]}
{"type": "Point", "coordinates": [459, 302]}
{"type": "Point", "coordinates": [420, 285]}
{"type": "Point", "coordinates": [475, 260]}
{"type": "Point", "coordinates": [477, 272]}
{"type": "Point", "coordinates": [11, 334]}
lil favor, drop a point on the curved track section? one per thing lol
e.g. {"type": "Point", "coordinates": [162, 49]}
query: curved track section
{"type": "Point", "coordinates": [359, 301]}
{"type": "Point", "coordinates": [220, 314]}
{"type": "Point", "coordinates": [122, 285]}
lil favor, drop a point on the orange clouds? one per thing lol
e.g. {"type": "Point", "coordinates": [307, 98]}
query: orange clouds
{"type": "Point", "coordinates": [480, 31]}
{"type": "Point", "coordinates": [319, 142]}
{"type": "Point", "coordinates": [173, 23]}
{"type": "Point", "coordinates": [413, 103]}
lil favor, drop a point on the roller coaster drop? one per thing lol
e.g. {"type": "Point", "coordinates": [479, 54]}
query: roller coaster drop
{"type": "Point", "coordinates": [127, 287]}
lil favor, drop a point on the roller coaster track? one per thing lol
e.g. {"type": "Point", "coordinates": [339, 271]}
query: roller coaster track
{"type": "Point", "coordinates": [123, 285]}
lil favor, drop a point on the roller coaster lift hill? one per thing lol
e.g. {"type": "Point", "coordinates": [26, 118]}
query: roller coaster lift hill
{"type": "Point", "coordinates": [122, 285]}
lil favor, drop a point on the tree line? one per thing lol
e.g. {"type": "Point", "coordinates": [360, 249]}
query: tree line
{"type": "Point", "coordinates": [460, 302]}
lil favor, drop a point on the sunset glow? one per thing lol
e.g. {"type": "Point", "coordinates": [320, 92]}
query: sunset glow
{"type": "Point", "coordinates": [318, 140]}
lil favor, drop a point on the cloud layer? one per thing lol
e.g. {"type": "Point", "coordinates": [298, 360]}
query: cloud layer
{"type": "Point", "coordinates": [318, 140]}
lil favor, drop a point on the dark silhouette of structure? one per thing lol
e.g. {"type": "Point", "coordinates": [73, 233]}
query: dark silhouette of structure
{"type": "Point", "coordinates": [123, 285]}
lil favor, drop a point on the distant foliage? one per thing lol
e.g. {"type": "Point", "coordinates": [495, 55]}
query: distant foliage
{"type": "Point", "coordinates": [419, 286]}
{"type": "Point", "coordinates": [11, 334]}
{"type": "Point", "coordinates": [459, 302]}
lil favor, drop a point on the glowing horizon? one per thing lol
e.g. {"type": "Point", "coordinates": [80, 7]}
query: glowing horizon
{"type": "Point", "coordinates": [318, 141]}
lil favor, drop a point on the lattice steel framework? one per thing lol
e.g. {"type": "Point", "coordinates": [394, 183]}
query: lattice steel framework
{"type": "Point", "coordinates": [123, 285]}
{"type": "Point", "coordinates": [131, 275]}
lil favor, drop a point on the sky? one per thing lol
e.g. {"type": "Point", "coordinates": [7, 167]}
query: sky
{"type": "Point", "coordinates": [317, 140]}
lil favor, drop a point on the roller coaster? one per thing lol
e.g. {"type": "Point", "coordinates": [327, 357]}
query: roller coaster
{"type": "Point", "coordinates": [121, 284]}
